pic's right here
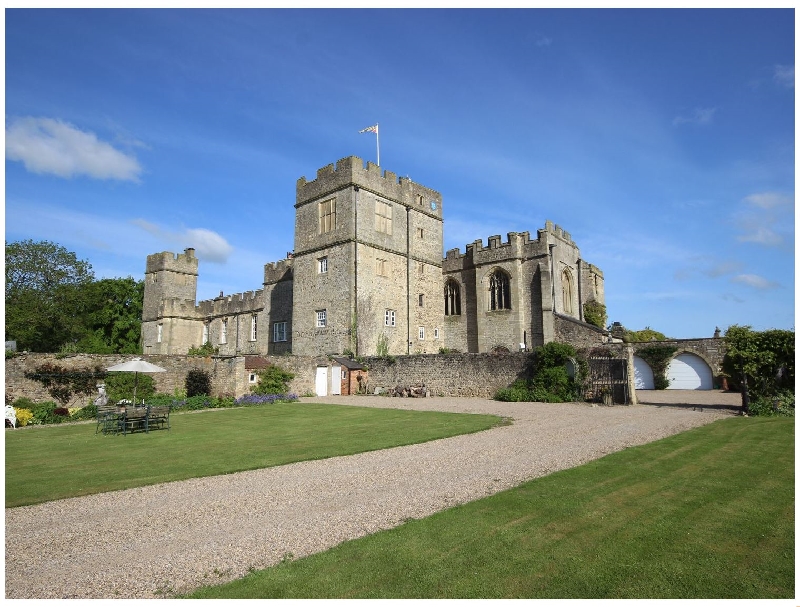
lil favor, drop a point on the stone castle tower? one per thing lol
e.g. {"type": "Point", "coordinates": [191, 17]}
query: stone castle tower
{"type": "Point", "coordinates": [368, 259]}
{"type": "Point", "coordinates": [368, 276]}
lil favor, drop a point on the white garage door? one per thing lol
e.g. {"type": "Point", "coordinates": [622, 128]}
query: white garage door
{"type": "Point", "coordinates": [642, 374]}
{"type": "Point", "coordinates": [689, 372]}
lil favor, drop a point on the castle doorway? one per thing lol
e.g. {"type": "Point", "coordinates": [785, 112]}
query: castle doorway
{"type": "Point", "coordinates": [321, 383]}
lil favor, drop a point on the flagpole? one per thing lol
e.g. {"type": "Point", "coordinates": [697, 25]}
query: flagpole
{"type": "Point", "coordinates": [378, 142]}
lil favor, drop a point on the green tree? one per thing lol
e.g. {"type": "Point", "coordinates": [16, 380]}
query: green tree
{"type": "Point", "coordinates": [760, 363]}
{"type": "Point", "coordinates": [43, 294]}
{"type": "Point", "coordinates": [111, 316]}
{"type": "Point", "coordinates": [646, 334]}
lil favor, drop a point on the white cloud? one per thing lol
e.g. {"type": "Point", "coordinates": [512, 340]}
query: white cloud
{"type": "Point", "coordinates": [767, 220]}
{"type": "Point", "coordinates": [755, 281]}
{"type": "Point", "coordinates": [784, 75]}
{"type": "Point", "coordinates": [209, 246]}
{"type": "Point", "coordinates": [51, 146]}
{"type": "Point", "coordinates": [698, 116]}
{"type": "Point", "coordinates": [768, 200]}
{"type": "Point", "coordinates": [762, 235]}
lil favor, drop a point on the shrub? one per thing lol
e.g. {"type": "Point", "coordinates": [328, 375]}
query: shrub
{"type": "Point", "coordinates": [205, 350]}
{"type": "Point", "coordinates": [781, 405]}
{"type": "Point", "coordinates": [273, 380]}
{"type": "Point", "coordinates": [120, 384]}
{"type": "Point", "coordinates": [547, 380]}
{"type": "Point", "coordinates": [61, 411]}
{"type": "Point", "coordinates": [87, 412]}
{"type": "Point", "coordinates": [198, 382]}
{"type": "Point", "coordinates": [24, 416]}
{"type": "Point", "coordinates": [595, 314]}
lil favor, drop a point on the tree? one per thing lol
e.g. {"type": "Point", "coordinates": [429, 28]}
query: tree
{"type": "Point", "coordinates": [761, 363]}
{"type": "Point", "coordinates": [111, 316]}
{"type": "Point", "coordinates": [646, 334]}
{"type": "Point", "coordinates": [43, 284]}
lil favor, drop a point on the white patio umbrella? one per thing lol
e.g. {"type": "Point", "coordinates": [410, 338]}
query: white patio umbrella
{"type": "Point", "coordinates": [137, 365]}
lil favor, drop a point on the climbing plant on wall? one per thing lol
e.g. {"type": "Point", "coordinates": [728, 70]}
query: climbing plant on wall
{"type": "Point", "coordinates": [595, 314]}
{"type": "Point", "coordinates": [658, 358]}
{"type": "Point", "coordinates": [62, 384]}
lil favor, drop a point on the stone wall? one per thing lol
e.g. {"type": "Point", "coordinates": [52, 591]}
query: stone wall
{"type": "Point", "coordinates": [577, 333]}
{"type": "Point", "coordinates": [465, 375]}
{"type": "Point", "coordinates": [228, 374]}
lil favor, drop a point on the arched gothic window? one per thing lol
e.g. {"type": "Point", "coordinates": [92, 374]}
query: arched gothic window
{"type": "Point", "coordinates": [452, 298]}
{"type": "Point", "coordinates": [499, 291]}
{"type": "Point", "coordinates": [566, 289]}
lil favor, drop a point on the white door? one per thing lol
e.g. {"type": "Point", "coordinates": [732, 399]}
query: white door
{"type": "Point", "coordinates": [322, 381]}
{"type": "Point", "coordinates": [689, 372]}
{"type": "Point", "coordinates": [336, 379]}
{"type": "Point", "coordinates": [642, 374]}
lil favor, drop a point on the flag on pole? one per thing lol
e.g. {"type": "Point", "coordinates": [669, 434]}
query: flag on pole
{"type": "Point", "coordinates": [374, 129]}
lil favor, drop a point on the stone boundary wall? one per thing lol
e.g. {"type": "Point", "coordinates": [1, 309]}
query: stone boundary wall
{"type": "Point", "coordinates": [463, 375]}
{"type": "Point", "coordinates": [578, 333]}
{"type": "Point", "coordinates": [228, 373]}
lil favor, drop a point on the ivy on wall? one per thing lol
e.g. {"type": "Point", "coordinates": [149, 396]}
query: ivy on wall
{"type": "Point", "coordinates": [595, 314]}
{"type": "Point", "coordinates": [658, 358]}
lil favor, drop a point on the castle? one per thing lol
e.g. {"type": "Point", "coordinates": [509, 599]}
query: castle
{"type": "Point", "coordinates": [368, 277]}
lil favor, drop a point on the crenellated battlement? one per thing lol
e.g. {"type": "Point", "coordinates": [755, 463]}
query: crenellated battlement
{"type": "Point", "coordinates": [351, 171]}
{"type": "Point", "coordinates": [551, 229]}
{"type": "Point", "coordinates": [183, 263]}
{"type": "Point", "coordinates": [175, 307]}
{"type": "Point", "coordinates": [238, 303]}
{"type": "Point", "coordinates": [275, 271]}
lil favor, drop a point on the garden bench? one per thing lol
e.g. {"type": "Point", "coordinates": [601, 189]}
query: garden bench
{"type": "Point", "coordinates": [158, 417]}
{"type": "Point", "coordinates": [135, 418]}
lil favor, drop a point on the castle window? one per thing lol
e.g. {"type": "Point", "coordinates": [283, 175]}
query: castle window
{"type": "Point", "coordinates": [160, 333]}
{"type": "Point", "coordinates": [421, 268]}
{"type": "Point", "coordinates": [421, 300]}
{"type": "Point", "coordinates": [389, 318]}
{"type": "Point", "coordinates": [420, 199]}
{"type": "Point", "coordinates": [421, 333]}
{"type": "Point", "coordinates": [322, 265]}
{"type": "Point", "coordinates": [566, 290]}
{"type": "Point", "coordinates": [279, 331]}
{"type": "Point", "coordinates": [253, 378]}
{"type": "Point", "coordinates": [322, 318]}
{"type": "Point", "coordinates": [420, 233]}
{"type": "Point", "coordinates": [253, 327]}
{"type": "Point", "coordinates": [223, 333]}
{"type": "Point", "coordinates": [383, 217]}
{"type": "Point", "coordinates": [499, 291]}
{"type": "Point", "coordinates": [452, 298]}
{"type": "Point", "coordinates": [205, 334]}
{"type": "Point", "coordinates": [381, 267]}
{"type": "Point", "coordinates": [436, 333]}
{"type": "Point", "coordinates": [327, 216]}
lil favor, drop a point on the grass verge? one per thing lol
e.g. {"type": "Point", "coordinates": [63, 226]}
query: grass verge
{"type": "Point", "coordinates": [705, 514]}
{"type": "Point", "coordinates": [52, 462]}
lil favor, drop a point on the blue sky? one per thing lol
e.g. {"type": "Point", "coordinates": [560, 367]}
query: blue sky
{"type": "Point", "coordinates": [662, 140]}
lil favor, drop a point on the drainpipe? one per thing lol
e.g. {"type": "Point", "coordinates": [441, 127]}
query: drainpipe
{"type": "Point", "coordinates": [408, 280]}
{"type": "Point", "coordinates": [355, 269]}
{"type": "Point", "coordinates": [580, 299]}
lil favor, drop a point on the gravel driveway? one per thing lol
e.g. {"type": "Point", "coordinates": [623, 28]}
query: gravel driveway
{"type": "Point", "coordinates": [159, 540]}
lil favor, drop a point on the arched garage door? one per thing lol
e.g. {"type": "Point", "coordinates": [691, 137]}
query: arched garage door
{"type": "Point", "coordinates": [642, 374]}
{"type": "Point", "coordinates": [689, 372]}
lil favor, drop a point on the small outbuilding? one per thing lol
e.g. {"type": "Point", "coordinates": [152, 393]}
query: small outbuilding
{"type": "Point", "coordinates": [353, 376]}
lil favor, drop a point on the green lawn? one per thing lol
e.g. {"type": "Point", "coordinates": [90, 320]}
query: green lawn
{"type": "Point", "coordinates": [705, 514]}
{"type": "Point", "coordinates": [51, 462]}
